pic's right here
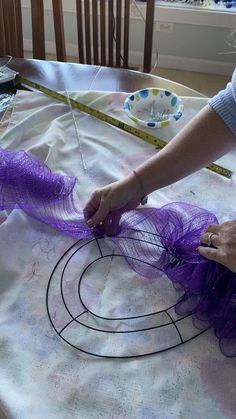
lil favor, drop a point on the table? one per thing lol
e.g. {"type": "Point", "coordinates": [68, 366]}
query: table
{"type": "Point", "coordinates": [69, 76]}
{"type": "Point", "coordinates": [43, 377]}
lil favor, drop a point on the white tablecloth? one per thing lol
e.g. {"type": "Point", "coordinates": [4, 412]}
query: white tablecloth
{"type": "Point", "coordinates": [40, 375]}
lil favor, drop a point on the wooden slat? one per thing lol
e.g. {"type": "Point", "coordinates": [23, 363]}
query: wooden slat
{"type": "Point", "coordinates": [2, 31]}
{"type": "Point", "coordinates": [147, 59]}
{"type": "Point", "coordinates": [19, 29]}
{"type": "Point", "coordinates": [8, 17]}
{"type": "Point", "coordinates": [59, 29]}
{"type": "Point", "coordinates": [103, 31]}
{"type": "Point", "coordinates": [12, 27]}
{"type": "Point", "coordinates": [11, 36]}
{"type": "Point", "coordinates": [15, 31]}
{"type": "Point", "coordinates": [37, 14]}
{"type": "Point", "coordinates": [95, 31]}
{"type": "Point", "coordinates": [87, 30]}
{"type": "Point", "coordinates": [80, 30]}
{"type": "Point", "coordinates": [118, 32]}
{"type": "Point", "coordinates": [110, 33]}
{"type": "Point", "coordinates": [126, 33]}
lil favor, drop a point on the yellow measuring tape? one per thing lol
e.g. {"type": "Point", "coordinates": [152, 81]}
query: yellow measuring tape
{"type": "Point", "coordinates": [158, 142]}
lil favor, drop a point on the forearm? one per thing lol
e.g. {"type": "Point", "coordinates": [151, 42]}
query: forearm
{"type": "Point", "coordinates": [202, 141]}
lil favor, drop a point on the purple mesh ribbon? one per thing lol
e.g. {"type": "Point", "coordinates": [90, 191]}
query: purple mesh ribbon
{"type": "Point", "coordinates": [172, 236]}
{"type": "Point", "coordinates": [28, 184]}
{"type": "Point", "coordinates": [166, 238]}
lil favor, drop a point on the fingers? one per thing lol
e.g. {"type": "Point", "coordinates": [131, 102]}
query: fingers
{"type": "Point", "coordinates": [221, 244]}
{"type": "Point", "coordinates": [104, 203]}
{"type": "Point", "coordinates": [209, 253]}
{"type": "Point", "coordinates": [213, 228]}
{"type": "Point", "coordinates": [211, 236]}
{"type": "Point", "coordinates": [110, 198]}
{"type": "Point", "coordinates": [88, 211]}
{"type": "Point", "coordinates": [99, 215]}
{"type": "Point", "coordinates": [96, 209]}
{"type": "Point", "coordinates": [93, 203]}
{"type": "Point", "coordinates": [210, 239]}
{"type": "Point", "coordinates": [212, 254]}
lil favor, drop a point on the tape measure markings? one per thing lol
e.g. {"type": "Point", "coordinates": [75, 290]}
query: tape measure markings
{"type": "Point", "coordinates": [151, 139]}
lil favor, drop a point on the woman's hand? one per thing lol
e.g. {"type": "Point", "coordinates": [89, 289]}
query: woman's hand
{"type": "Point", "coordinates": [123, 194]}
{"type": "Point", "coordinates": [222, 241]}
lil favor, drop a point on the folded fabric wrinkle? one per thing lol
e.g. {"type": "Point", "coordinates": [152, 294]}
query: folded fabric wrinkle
{"type": "Point", "coordinates": [168, 237]}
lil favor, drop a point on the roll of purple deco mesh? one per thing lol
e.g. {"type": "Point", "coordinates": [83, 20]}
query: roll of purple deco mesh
{"type": "Point", "coordinates": [166, 238]}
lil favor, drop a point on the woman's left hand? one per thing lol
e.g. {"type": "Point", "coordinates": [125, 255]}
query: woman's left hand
{"type": "Point", "coordinates": [221, 241]}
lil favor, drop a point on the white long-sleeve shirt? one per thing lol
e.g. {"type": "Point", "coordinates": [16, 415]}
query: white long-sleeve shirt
{"type": "Point", "coordinates": [224, 103]}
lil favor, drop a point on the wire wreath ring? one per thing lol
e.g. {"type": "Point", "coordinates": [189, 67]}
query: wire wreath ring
{"type": "Point", "coordinates": [93, 324]}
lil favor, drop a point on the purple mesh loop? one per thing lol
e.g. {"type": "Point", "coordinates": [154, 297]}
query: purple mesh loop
{"type": "Point", "coordinates": [28, 184]}
{"type": "Point", "coordinates": [166, 238]}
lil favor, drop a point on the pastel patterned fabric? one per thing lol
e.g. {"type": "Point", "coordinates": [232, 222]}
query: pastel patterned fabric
{"type": "Point", "coordinates": [41, 376]}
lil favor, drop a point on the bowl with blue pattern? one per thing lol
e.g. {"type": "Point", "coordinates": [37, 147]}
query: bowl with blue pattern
{"type": "Point", "coordinates": [154, 108]}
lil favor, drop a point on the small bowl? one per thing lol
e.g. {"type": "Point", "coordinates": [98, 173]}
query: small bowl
{"type": "Point", "coordinates": [153, 108]}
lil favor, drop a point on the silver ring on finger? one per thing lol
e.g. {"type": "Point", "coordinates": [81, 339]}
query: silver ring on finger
{"type": "Point", "coordinates": [210, 239]}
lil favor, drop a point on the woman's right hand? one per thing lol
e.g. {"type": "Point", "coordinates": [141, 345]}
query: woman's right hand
{"type": "Point", "coordinates": [121, 195]}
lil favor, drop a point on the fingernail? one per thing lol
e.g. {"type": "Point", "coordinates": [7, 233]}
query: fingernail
{"type": "Point", "coordinates": [90, 222]}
